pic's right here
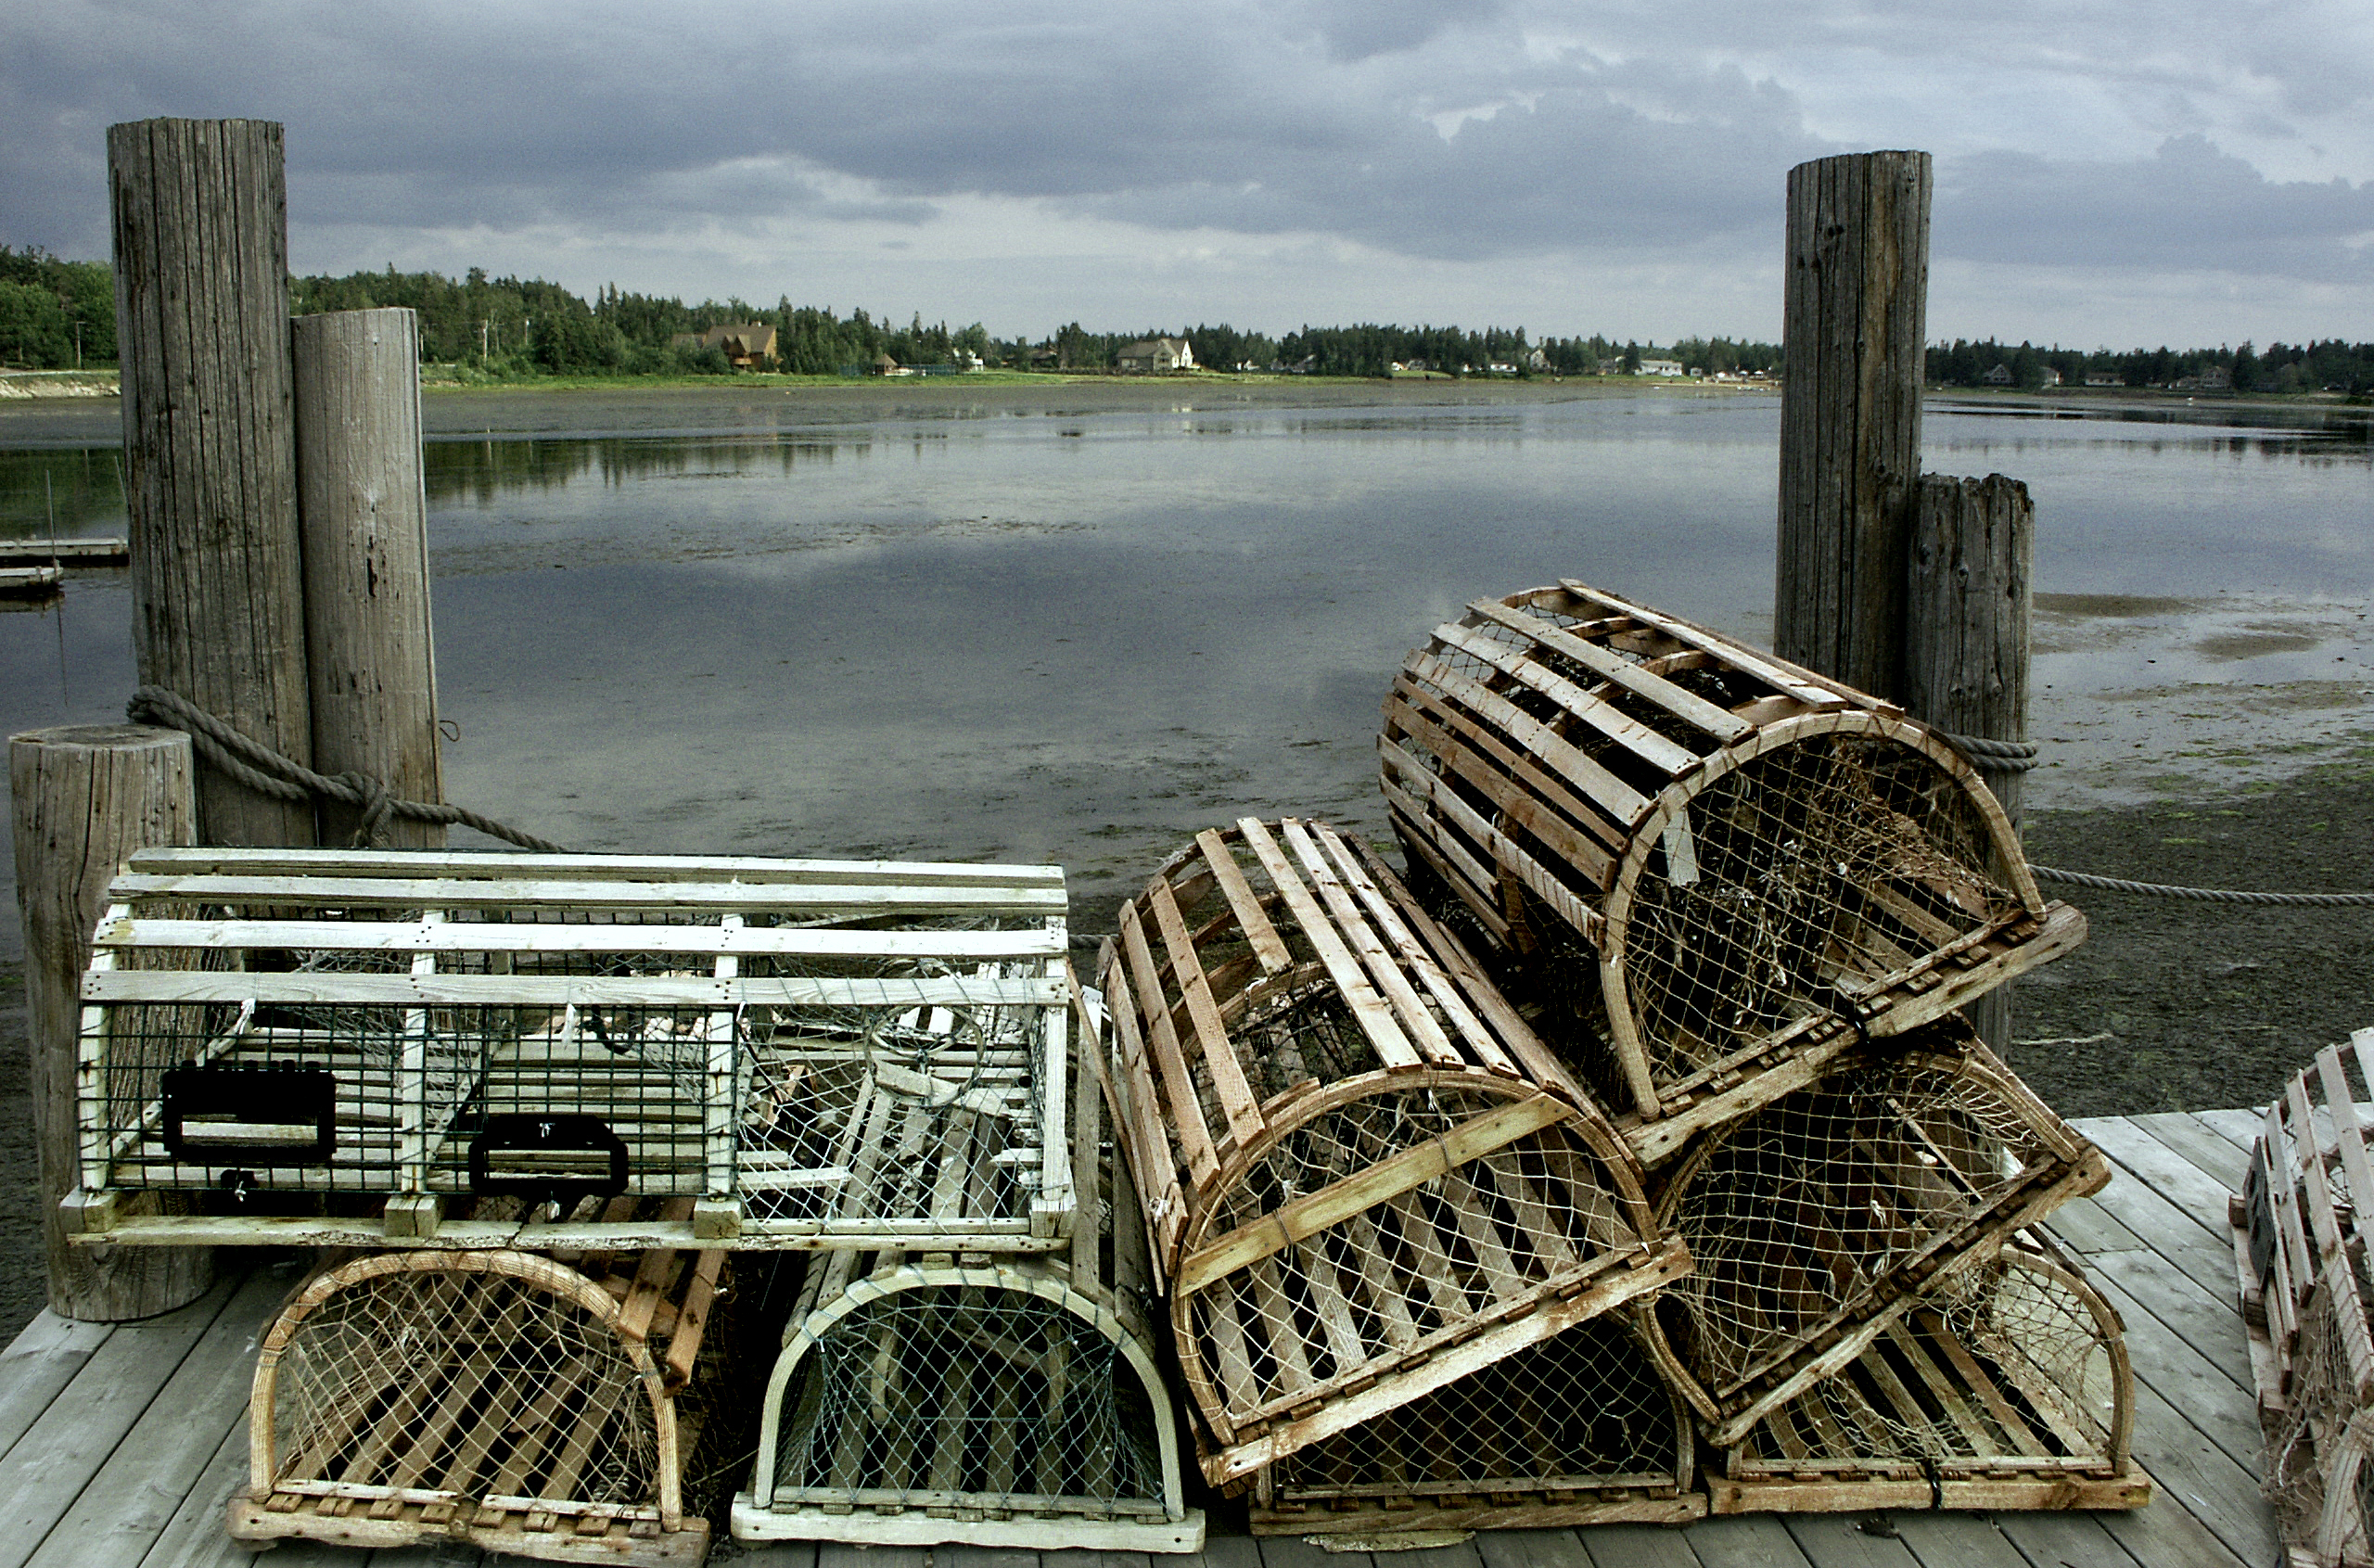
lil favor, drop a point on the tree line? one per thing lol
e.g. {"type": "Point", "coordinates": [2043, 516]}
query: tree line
{"type": "Point", "coordinates": [2329, 365]}
{"type": "Point", "coordinates": [59, 314]}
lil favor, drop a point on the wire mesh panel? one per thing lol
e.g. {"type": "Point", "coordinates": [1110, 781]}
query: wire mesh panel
{"type": "Point", "coordinates": [2308, 1298]}
{"type": "Point", "coordinates": [1579, 1429]}
{"type": "Point", "coordinates": [497, 1397]}
{"type": "Point", "coordinates": [2004, 1386]}
{"type": "Point", "coordinates": [1702, 861]}
{"type": "Point", "coordinates": [354, 1025]}
{"type": "Point", "coordinates": [1365, 1176]}
{"type": "Point", "coordinates": [929, 1398]}
{"type": "Point", "coordinates": [1814, 1221]}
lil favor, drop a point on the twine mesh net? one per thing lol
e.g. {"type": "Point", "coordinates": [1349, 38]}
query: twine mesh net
{"type": "Point", "coordinates": [1584, 1408]}
{"type": "Point", "coordinates": [2003, 1360]}
{"type": "Point", "coordinates": [1799, 1212]}
{"type": "Point", "coordinates": [2306, 1449]}
{"type": "Point", "coordinates": [968, 1397]}
{"type": "Point", "coordinates": [1416, 1267]}
{"type": "Point", "coordinates": [479, 1383]}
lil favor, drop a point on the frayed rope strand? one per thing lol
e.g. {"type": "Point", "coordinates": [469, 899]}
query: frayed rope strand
{"type": "Point", "coordinates": [260, 768]}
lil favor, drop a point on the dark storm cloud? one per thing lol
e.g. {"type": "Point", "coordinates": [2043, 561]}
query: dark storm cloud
{"type": "Point", "coordinates": [1320, 116]}
{"type": "Point", "coordinates": [2188, 206]}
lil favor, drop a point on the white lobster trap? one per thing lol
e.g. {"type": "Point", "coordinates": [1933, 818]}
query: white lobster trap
{"type": "Point", "coordinates": [921, 1398]}
{"type": "Point", "coordinates": [1579, 1429]}
{"type": "Point", "coordinates": [498, 1397]}
{"type": "Point", "coordinates": [2003, 1386]}
{"type": "Point", "coordinates": [340, 1045]}
{"type": "Point", "coordinates": [1365, 1177]}
{"type": "Point", "coordinates": [1719, 869]}
{"type": "Point", "coordinates": [1822, 1217]}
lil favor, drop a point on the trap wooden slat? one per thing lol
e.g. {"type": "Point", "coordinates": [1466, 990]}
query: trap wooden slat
{"type": "Point", "coordinates": [1731, 862]}
{"type": "Point", "coordinates": [1337, 1248]}
{"type": "Point", "coordinates": [690, 1009]}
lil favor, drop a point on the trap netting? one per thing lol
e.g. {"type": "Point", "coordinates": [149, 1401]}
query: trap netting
{"type": "Point", "coordinates": [554, 1028]}
{"type": "Point", "coordinates": [2005, 1385]}
{"type": "Point", "coordinates": [1702, 858]}
{"type": "Point", "coordinates": [1813, 1222]}
{"type": "Point", "coordinates": [1579, 1429]}
{"type": "Point", "coordinates": [1370, 1179]}
{"type": "Point", "coordinates": [2319, 1440]}
{"type": "Point", "coordinates": [498, 1396]}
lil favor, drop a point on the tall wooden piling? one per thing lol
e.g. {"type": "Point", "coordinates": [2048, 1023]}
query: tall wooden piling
{"type": "Point", "coordinates": [85, 798]}
{"type": "Point", "coordinates": [364, 523]}
{"type": "Point", "coordinates": [1969, 596]}
{"type": "Point", "coordinates": [201, 279]}
{"type": "Point", "coordinates": [1855, 316]}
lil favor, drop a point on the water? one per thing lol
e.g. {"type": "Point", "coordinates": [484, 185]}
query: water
{"type": "Point", "coordinates": [1078, 625]}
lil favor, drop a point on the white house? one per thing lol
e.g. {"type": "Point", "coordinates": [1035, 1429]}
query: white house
{"type": "Point", "coordinates": [1156, 353]}
{"type": "Point", "coordinates": [1659, 368]}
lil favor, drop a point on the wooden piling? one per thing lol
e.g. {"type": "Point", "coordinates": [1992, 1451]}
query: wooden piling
{"type": "Point", "coordinates": [1969, 596]}
{"type": "Point", "coordinates": [201, 279]}
{"type": "Point", "coordinates": [1854, 318]}
{"type": "Point", "coordinates": [85, 797]}
{"type": "Point", "coordinates": [364, 518]}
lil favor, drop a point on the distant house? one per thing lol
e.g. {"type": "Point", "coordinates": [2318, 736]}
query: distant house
{"type": "Point", "coordinates": [746, 345]}
{"type": "Point", "coordinates": [2103, 378]}
{"type": "Point", "coordinates": [2051, 377]}
{"type": "Point", "coordinates": [1998, 376]}
{"type": "Point", "coordinates": [885, 365]}
{"type": "Point", "coordinates": [1659, 368]}
{"type": "Point", "coordinates": [2213, 378]}
{"type": "Point", "coordinates": [1156, 353]}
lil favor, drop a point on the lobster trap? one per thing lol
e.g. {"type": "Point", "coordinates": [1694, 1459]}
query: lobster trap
{"type": "Point", "coordinates": [498, 1397]}
{"type": "Point", "coordinates": [2004, 1386]}
{"type": "Point", "coordinates": [1579, 1429]}
{"type": "Point", "coordinates": [1718, 869]}
{"type": "Point", "coordinates": [1365, 1177]}
{"type": "Point", "coordinates": [927, 1398]}
{"type": "Point", "coordinates": [2300, 1249]}
{"type": "Point", "coordinates": [820, 1052]}
{"type": "Point", "coordinates": [1821, 1218]}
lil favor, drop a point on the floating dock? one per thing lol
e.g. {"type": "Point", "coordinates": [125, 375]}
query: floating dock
{"type": "Point", "coordinates": [64, 552]}
{"type": "Point", "coordinates": [122, 1445]}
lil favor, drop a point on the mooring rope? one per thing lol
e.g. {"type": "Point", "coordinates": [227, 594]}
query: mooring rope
{"type": "Point", "coordinates": [1998, 757]}
{"type": "Point", "coordinates": [266, 771]}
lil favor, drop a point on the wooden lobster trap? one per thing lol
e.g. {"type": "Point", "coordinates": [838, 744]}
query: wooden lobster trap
{"type": "Point", "coordinates": [1579, 1429]}
{"type": "Point", "coordinates": [1365, 1177]}
{"type": "Point", "coordinates": [1821, 1218]}
{"type": "Point", "coordinates": [360, 1039]}
{"type": "Point", "coordinates": [921, 1398]}
{"type": "Point", "coordinates": [2004, 1386]}
{"type": "Point", "coordinates": [497, 1397]}
{"type": "Point", "coordinates": [1717, 868]}
{"type": "Point", "coordinates": [2300, 1250]}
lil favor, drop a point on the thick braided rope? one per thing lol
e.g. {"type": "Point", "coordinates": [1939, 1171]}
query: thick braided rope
{"type": "Point", "coordinates": [260, 768]}
{"type": "Point", "coordinates": [1999, 757]}
{"type": "Point", "coordinates": [2199, 895]}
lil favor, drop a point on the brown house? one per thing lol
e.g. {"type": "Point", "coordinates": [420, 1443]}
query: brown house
{"type": "Point", "coordinates": [747, 345]}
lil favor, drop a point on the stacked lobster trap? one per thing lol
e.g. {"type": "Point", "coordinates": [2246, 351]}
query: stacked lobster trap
{"type": "Point", "coordinates": [1390, 1223]}
{"type": "Point", "coordinates": [535, 1074]}
{"type": "Point", "coordinates": [2299, 1228]}
{"type": "Point", "coordinates": [1740, 904]}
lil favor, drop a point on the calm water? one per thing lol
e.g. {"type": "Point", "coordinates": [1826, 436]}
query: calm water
{"type": "Point", "coordinates": [1010, 628]}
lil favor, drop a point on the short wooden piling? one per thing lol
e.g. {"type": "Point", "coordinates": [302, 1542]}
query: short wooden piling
{"type": "Point", "coordinates": [1969, 594]}
{"type": "Point", "coordinates": [202, 280]}
{"type": "Point", "coordinates": [1854, 317]}
{"type": "Point", "coordinates": [85, 797]}
{"type": "Point", "coordinates": [365, 522]}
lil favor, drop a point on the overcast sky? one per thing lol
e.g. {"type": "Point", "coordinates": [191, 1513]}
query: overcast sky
{"type": "Point", "coordinates": [2110, 173]}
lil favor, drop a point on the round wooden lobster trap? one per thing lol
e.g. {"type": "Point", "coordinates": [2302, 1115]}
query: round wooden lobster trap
{"type": "Point", "coordinates": [494, 1396]}
{"type": "Point", "coordinates": [1814, 1221]}
{"type": "Point", "coordinates": [1366, 1178]}
{"type": "Point", "coordinates": [1709, 860]}
{"type": "Point", "coordinates": [2006, 1386]}
{"type": "Point", "coordinates": [1579, 1429]}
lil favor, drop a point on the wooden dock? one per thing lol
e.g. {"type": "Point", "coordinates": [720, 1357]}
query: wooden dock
{"type": "Point", "coordinates": [75, 551]}
{"type": "Point", "coordinates": [122, 1445]}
